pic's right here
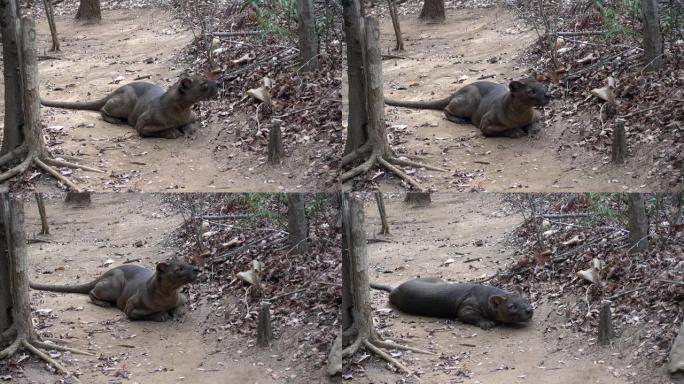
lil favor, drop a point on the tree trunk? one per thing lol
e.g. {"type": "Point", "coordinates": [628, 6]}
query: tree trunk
{"type": "Point", "coordinates": [296, 223]}
{"type": "Point", "coordinates": [89, 11]}
{"type": "Point", "coordinates": [11, 45]}
{"type": "Point", "coordinates": [5, 286]}
{"type": "Point", "coordinates": [383, 213]}
{"type": "Point", "coordinates": [418, 199]}
{"type": "Point", "coordinates": [308, 38]}
{"type": "Point", "coordinates": [638, 223]}
{"type": "Point", "coordinates": [357, 118]}
{"type": "Point", "coordinates": [32, 147]}
{"type": "Point", "coordinates": [264, 327]}
{"type": "Point", "coordinates": [375, 149]}
{"type": "Point", "coordinates": [433, 11]}
{"type": "Point", "coordinates": [653, 39]}
{"type": "Point", "coordinates": [44, 227]}
{"type": "Point", "coordinates": [22, 327]}
{"type": "Point", "coordinates": [53, 26]}
{"type": "Point", "coordinates": [395, 23]}
{"type": "Point", "coordinates": [357, 301]}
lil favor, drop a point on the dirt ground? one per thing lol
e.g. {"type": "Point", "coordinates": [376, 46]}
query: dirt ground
{"type": "Point", "coordinates": [81, 240]}
{"type": "Point", "coordinates": [92, 57]}
{"type": "Point", "coordinates": [471, 230]}
{"type": "Point", "coordinates": [469, 45]}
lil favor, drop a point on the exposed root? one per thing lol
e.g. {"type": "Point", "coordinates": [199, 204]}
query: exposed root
{"type": "Point", "coordinates": [27, 344]}
{"type": "Point", "coordinates": [409, 163]}
{"type": "Point", "coordinates": [363, 168]}
{"type": "Point", "coordinates": [355, 154]}
{"type": "Point", "coordinates": [13, 154]}
{"type": "Point", "coordinates": [350, 350]}
{"type": "Point", "coordinates": [408, 179]}
{"type": "Point", "coordinates": [55, 174]}
{"type": "Point", "coordinates": [61, 163]}
{"type": "Point", "coordinates": [386, 356]}
{"type": "Point", "coordinates": [11, 350]}
{"type": "Point", "coordinates": [385, 344]}
{"type": "Point", "coordinates": [18, 169]}
{"type": "Point", "coordinates": [56, 347]}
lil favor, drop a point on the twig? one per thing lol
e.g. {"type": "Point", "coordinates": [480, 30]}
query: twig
{"type": "Point", "coordinates": [564, 215]}
{"type": "Point", "coordinates": [626, 292]}
{"type": "Point", "coordinates": [584, 33]}
{"type": "Point", "coordinates": [388, 57]}
{"type": "Point", "coordinates": [240, 33]}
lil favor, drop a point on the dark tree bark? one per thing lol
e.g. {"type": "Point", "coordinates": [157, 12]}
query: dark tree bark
{"type": "Point", "coordinates": [376, 149]}
{"type": "Point", "coordinates": [605, 328]}
{"type": "Point", "coordinates": [29, 129]}
{"type": "Point", "coordinates": [275, 142]}
{"type": "Point", "coordinates": [11, 47]}
{"type": "Point", "coordinates": [296, 223]}
{"type": "Point", "coordinates": [44, 227]}
{"type": "Point", "coordinates": [357, 118]}
{"type": "Point", "coordinates": [653, 39]}
{"type": "Point", "coordinates": [22, 327]}
{"type": "Point", "coordinates": [5, 286]}
{"type": "Point", "coordinates": [89, 11]}
{"type": "Point", "coordinates": [619, 143]}
{"type": "Point", "coordinates": [53, 26]}
{"type": "Point", "coordinates": [638, 223]}
{"type": "Point", "coordinates": [418, 199]}
{"type": "Point", "coordinates": [358, 302]}
{"type": "Point", "coordinates": [433, 11]}
{"type": "Point", "coordinates": [308, 38]}
{"type": "Point", "coordinates": [383, 213]}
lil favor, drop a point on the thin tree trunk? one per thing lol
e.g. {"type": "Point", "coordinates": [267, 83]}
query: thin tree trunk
{"type": "Point", "coordinates": [433, 11]}
{"type": "Point", "coordinates": [89, 11]}
{"type": "Point", "coordinates": [11, 48]}
{"type": "Point", "coordinates": [264, 327]}
{"type": "Point", "coordinates": [53, 26]}
{"type": "Point", "coordinates": [385, 230]}
{"type": "Point", "coordinates": [44, 227]}
{"type": "Point", "coordinates": [653, 39]}
{"type": "Point", "coordinates": [347, 299]}
{"type": "Point", "coordinates": [297, 224]}
{"type": "Point", "coordinates": [308, 38]}
{"type": "Point", "coordinates": [638, 223]}
{"type": "Point", "coordinates": [395, 23]}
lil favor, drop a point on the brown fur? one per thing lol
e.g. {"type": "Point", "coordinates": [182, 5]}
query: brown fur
{"type": "Point", "coordinates": [148, 108]}
{"type": "Point", "coordinates": [478, 304]}
{"type": "Point", "coordinates": [494, 108]}
{"type": "Point", "coordinates": [141, 293]}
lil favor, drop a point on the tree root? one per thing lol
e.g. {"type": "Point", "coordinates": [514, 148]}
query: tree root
{"type": "Point", "coordinates": [32, 344]}
{"type": "Point", "coordinates": [374, 343]}
{"type": "Point", "coordinates": [385, 161]}
{"type": "Point", "coordinates": [42, 163]}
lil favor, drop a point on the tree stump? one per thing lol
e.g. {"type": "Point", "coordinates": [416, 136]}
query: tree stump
{"type": "Point", "coordinates": [264, 328]}
{"type": "Point", "coordinates": [619, 144]}
{"type": "Point", "coordinates": [418, 199]}
{"type": "Point", "coordinates": [605, 327]}
{"type": "Point", "coordinates": [275, 142]}
{"type": "Point", "coordinates": [78, 199]}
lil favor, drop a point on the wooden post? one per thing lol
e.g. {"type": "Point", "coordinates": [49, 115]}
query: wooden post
{"type": "Point", "coordinates": [619, 144]}
{"type": "Point", "coordinates": [264, 329]}
{"type": "Point", "coordinates": [275, 142]}
{"type": "Point", "coordinates": [605, 328]}
{"type": "Point", "coordinates": [45, 229]}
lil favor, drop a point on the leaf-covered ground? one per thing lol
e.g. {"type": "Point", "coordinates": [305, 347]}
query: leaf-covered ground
{"type": "Point", "coordinates": [646, 290]}
{"type": "Point", "coordinates": [305, 290]}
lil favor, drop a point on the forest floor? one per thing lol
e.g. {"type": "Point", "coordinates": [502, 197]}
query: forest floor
{"type": "Point", "coordinates": [466, 237]}
{"type": "Point", "coordinates": [227, 153]}
{"type": "Point", "coordinates": [480, 40]}
{"type": "Point", "coordinates": [201, 347]}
